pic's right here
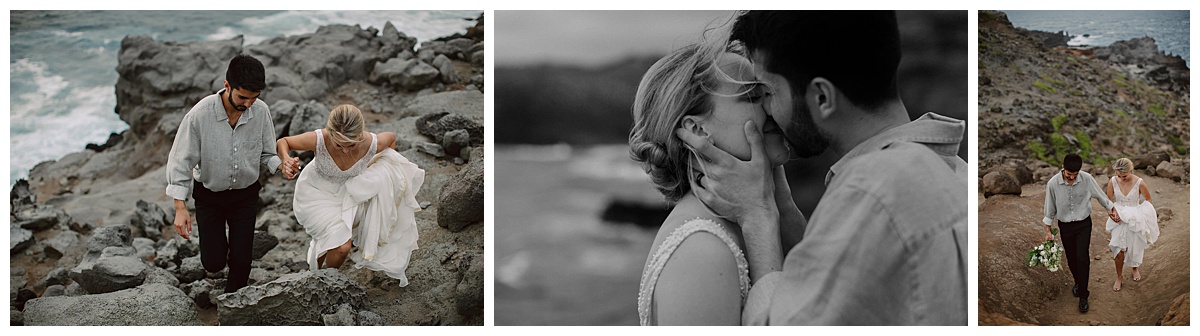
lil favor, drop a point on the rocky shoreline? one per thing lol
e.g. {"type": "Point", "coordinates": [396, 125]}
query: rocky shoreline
{"type": "Point", "coordinates": [90, 237]}
{"type": "Point", "coordinates": [1039, 100]}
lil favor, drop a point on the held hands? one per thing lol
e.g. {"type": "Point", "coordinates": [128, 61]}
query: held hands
{"type": "Point", "coordinates": [1116, 217]}
{"type": "Point", "coordinates": [290, 167]}
{"type": "Point", "coordinates": [733, 188]}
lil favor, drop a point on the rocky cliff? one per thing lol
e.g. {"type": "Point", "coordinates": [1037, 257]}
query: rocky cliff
{"type": "Point", "coordinates": [97, 222]}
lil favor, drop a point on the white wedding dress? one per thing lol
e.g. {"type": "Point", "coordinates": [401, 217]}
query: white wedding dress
{"type": "Point", "coordinates": [373, 202]}
{"type": "Point", "coordinates": [1138, 227]}
{"type": "Point", "coordinates": [658, 260]}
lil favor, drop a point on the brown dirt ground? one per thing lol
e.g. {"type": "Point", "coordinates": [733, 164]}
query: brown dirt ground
{"type": "Point", "coordinates": [1012, 293]}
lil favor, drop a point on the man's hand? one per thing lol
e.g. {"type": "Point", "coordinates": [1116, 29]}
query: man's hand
{"type": "Point", "coordinates": [732, 187]}
{"type": "Point", "coordinates": [1049, 236]}
{"type": "Point", "coordinates": [1112, 213]}
{"type": "Point", "coordinates": [183, 220]}
{"type": "Point", "coordinates": [743, 192]}
{"type": "Point", "coordinates": [290, 168]}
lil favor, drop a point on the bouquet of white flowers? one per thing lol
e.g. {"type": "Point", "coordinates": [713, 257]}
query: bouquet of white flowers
{"type": "Point", "coordinates": [1048, 254]}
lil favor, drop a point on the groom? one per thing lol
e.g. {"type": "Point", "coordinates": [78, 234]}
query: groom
{"type": "Point", "coordinates": [1067, 199]}
{"type": "Point", "coordinates": [887, 243]}
{"type": "Point", "coordinates": [221, 142]}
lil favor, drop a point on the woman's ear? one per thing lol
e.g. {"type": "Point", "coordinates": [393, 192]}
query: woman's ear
{"type": "Point", "coordinates": [694, 124]}
{"type": "Point", "coordinates": [821, 97]}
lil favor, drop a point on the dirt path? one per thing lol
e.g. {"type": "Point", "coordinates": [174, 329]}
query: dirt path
{"type": "Point", "coordinates": [1008, 289]}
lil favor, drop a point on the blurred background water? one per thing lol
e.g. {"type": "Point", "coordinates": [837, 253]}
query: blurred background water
{"type": "Point", "coordinates": [575, 217]}
{"type": "Point", "coordinates": [1170, 29]}
{"type": "Point", "coordinates": [63, 63]}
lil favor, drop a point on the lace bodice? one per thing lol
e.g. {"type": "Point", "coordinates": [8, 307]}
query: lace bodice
{"type": "Point", "coordinates": [1130, 198]}
{"type": "Point", "coordinates": [330, 171]}
{"type": "Point", "coordinates": [663, 253]}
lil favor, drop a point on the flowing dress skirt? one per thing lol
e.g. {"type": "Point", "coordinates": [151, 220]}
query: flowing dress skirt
{"type": "Point", "coordinates": [1136, 231]}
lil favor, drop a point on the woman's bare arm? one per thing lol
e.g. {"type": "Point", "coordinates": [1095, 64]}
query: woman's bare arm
{"type": "Point", "coordinates": [1145, 191]}
{"type": "Point", "coordinates": [387, 140]}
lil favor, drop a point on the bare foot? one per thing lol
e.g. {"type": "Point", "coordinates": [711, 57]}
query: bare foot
{"type": "Point", "coordinates": [1117, 285]}
{"type": "Point", "coordinates": [1137, 276]}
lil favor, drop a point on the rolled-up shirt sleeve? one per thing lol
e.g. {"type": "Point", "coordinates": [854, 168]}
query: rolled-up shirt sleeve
{"type": "Point", "coordinates": [185, 154]}
{"type": "Point", "coordinates": [269, 156]}
{"type": "Point", "coordinates": [1049, 207]}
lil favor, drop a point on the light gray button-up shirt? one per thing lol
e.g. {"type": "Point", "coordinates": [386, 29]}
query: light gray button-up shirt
{"type": "Point", "coordinates": [1070, 202]}
{"type": "Point", "coordinates": [230, 156]}
{"type": "Point", "coordinates": [887, 244]}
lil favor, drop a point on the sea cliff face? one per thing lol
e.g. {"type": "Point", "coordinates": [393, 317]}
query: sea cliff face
{"type": "Point", "coordinates": [394, 79]}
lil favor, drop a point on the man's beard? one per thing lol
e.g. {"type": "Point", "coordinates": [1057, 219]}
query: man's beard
{"type": "Point", "coordinates": [235, 106]}
{"type": "Point", "coordinates": [802, 133]}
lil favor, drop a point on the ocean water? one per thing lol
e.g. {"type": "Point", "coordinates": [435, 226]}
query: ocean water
{"type": "Point", "coordinates": [63, 63]}
{"type": "Point", "coordinates": [1170, 29]}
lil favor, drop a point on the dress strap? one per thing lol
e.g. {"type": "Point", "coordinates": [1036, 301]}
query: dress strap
{"type": "Point", "coordinates": [660, 257]}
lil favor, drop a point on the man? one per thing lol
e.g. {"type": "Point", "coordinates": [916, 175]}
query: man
{"type": "Point", "coordinates": [220, 143]}
{"type": "Point", "coordinates": [887, 243]}
{"type": "Point", "coordinates": [1067, 199]}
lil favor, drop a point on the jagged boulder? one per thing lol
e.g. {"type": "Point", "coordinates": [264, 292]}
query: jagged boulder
{"type": "Point", "coordinates": [465, 103]}
{"type": "Point", "coordinates": [293, 299]}
{"type": "Point", "coordinates": [150, 218]}
{"type": "Point", "coordinates": [57, 246]}
{"type": "Point", "coordinates": [18, 238]}
{"type": "Point", "coordinates": [1170, 170]}
{"type": "Point", "coordinates": [461, 201]}
{"type": "Point", "coordinates": [1178, 314]}
{"type": "Point", "coordinates": [151, 304]}
{"type": "Point", "coordinates": [307, 117]}
{"type": "Point", "coordinates": [38, 218]}
{"type": "Point", "coordinates": [445, 69]}
{"type": "Point", "coordinates": [1150, 160]}
{"type": "Point", "coordinates": [110, 274]}
{"type": "Point", "coordinates": [263, 243]}
{"type": "Point", "coordinates": [468, 294]}
{"type": "Point", "coordinates": [437, 125]}
{"type": "Point", "coordinates": [997, 183]}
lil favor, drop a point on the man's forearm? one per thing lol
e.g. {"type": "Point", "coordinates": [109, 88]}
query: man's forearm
{"type": "Point", "coordinates": [763, 249]}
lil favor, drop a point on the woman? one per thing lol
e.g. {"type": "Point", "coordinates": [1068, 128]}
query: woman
{"type": "Point", "coordinates": [1139, 222]}
{"type": "Point", "coordinates": [350, 191]}
{"type": "Point", "coordinates": [697, 273]}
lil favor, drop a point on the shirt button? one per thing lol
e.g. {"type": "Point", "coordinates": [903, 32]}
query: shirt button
{"type": "Point", "coordinates": [234, 166]}
{"type": "Point", "coordinates": [234, 180]}
{"type": "Point", "coordinates": [234, 149]}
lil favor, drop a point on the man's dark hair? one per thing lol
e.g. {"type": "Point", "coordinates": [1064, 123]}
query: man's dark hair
{"type": "Point", "coordinates": [1072, 163]}
{"type": "Point", "coordinates": [858, 51]}
{"type": "Point", "coordinates": [247, 73]}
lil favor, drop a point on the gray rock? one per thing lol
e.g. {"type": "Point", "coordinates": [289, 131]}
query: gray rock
{"type": "Point", "coordinates": [437, 125]}
{"type": "Point", "coordinates": [454, 141]}
{"type": "Point", "coordinates": [477, 58]}
{"type": "Point", "coordinates": [1170, 170]}
{"type": "Point", "coordinates": [116, 235]}
{"type": "Point", "coordinates": [1164, 214]}
{"type": "Point", "coordinates": [426, 55]}
{"type": "Point", "coordinates": [428, 148]}
{"type": "Point", "coordinates": [118, 251]}
{"type": "Point", "coordinates": [18, 238]}
{"type": "Point", "coordinates": [461, 202]}
{"type": "Point", "coordinates": [162, 276]}
{"type": "Point", "coordinates": [199, 291]}
{"type": "Point", "coordinates": [1150, 160]}
{"type": "Point", "coordinates": [110, 274]}
{"type": "Point", "coordinates": [997, 183]}
{"type": "Point", "coordinates": [150, 218]}
{"type": "Point", "coordinates": [293, 299]}
{"type": "Point", "coordinates": [21, 197]}
{"type": "Point", "coordinates": [466, 103]}
{"type": "Point", "coordinates": [55, 290]}
{"type": "Point", "coordinates": [174, 251]}
{"type": "Point", "coordinates": [308, 117]}
{"type": "Point", "coordinates": [1018, 171]}
{"type": "Point", "coordinates": [369, 318]}
{"type": "Point", "coordinates": [74, 289]}
{"type": "Point", "coordinates": [344, 316]}
{"type": "Point", "coordinates": [418, 76]}
{"type": "Point", "coordinates": [445, 69]}
{"type": "Point", "coordinates": [38, 218]}
{"type": "Point", "coordinates": [56, 276]}
{"type": "Point", "coordinates": [263, 243]}
{"type": "Point", "coordinates": [151, 304]}
{"type": "Point", "coordinates": [468, 294]}
{"type": "Point", "coordinates": [190, 269]}
{"type": "Point", "coordinates": [145, 248]}
{"type": "Point", "coordinates": [260, 276]}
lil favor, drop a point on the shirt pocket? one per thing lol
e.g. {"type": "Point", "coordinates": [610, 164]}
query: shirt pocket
{"type": "Point", "coordinates": [248, 152]}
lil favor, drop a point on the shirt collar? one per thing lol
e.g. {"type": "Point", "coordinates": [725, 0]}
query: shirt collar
{"type": "Point", "coordinates": [940, 133]}
{"type": "Point", "coordinates": [222, 116]}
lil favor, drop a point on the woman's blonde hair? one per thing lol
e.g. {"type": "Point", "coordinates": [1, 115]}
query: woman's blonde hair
{"type": "Point", "coordinates": [677, 85]}
{"type": "Point", "coordinates": [1123, 165]}
{"type": "Point", "coordinates": [345, 124]}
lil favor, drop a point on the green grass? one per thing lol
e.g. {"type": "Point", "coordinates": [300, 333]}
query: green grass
{"type": "Point", "coordinates": [1053, 81]}
{"type": "Point", "coordinates": [1177, 144]}
{"type": "Point", "coordinates": [1075, 92]}
{"type": "Point", "coordinates": [1045, 87]}
{"type": "Point", "coordinates": [1157, 110]}
{"type": "Point", "coordinates": [1121, 113]}
{"type": "Point", "coordinates": [1122, 83]}
{"type": "Point", "coordinates": [1058, 121]}
{"type": "Point", "coordinates": [1122, 75]}
{"type": "Point", "coordinates": [1041, 153]}
{"type": "Point", "coordinates": [1085, 144]}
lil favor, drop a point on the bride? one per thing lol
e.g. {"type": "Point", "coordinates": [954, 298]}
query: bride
{"type": "Point", "coordinates": [356, 201]}
{"type": "Point", "coordinates": [1138, 227]}
{"type": "Point", "coordinates": [696, 273]}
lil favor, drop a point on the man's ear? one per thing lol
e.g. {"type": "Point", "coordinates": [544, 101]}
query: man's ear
{"type": "Point", "coordinates": [693, 124]}
{"type": "Point", "coordinates": [821, 97]}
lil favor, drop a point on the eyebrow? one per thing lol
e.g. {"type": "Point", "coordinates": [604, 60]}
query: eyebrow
{"type": "Point", "coordinates": [244, 96]}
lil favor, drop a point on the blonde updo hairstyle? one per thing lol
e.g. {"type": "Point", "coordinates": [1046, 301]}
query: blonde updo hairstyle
{"type": "Point", "coordinates": [1123, 165]}
{"type": "Point", "coordinates": [345, 124]}
{"type": "Point", "coordinates": [677, 85]}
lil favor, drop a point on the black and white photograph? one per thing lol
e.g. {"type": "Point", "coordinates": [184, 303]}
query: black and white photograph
{"type": "Point", "coordinates": [731, 168]}
{"type": "Point", "coordinates": [246, 168]}
{"type": "Point", "coordinates": [1084, 189]}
